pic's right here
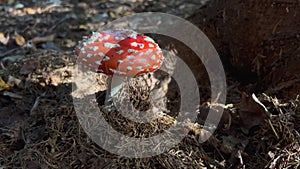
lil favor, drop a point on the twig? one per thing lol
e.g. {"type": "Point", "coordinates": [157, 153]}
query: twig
{"type": "Point", "coordinates": [58, 23]}
{"type": "Point", "coordinates": [273, 129]}
{"type": "Point", "coordinates": [36, 103]}
{"type": "Point", "coordinates": [31, 44]}
{"type": "Point", "coordinates": [51, 6]}
{"type": "Point", "coordinates": [9, 52]}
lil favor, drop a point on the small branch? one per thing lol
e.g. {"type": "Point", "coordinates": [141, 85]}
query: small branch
{"type": "Point", "coordinates": [9, 52]}
{"type": "Point", "coordinates": [273, 129]}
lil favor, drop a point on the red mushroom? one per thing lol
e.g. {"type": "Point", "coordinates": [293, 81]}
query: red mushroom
{"type": "Point", "coordinates": [119, 52]}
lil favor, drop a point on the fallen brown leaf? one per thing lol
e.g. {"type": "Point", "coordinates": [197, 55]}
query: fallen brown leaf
{"type": "Point", "coordinates": [4, 40]}
{"type": "Point", "coordinates": [20, 40]}
{"type": "Point", "coordinates": [29, 66]}
{"type": "Point", "coordinates": [32, 11]}
{"type": "Point", "coordinates": [13, 81]}
{"type": "Point", "coordinates": [251, 112]}
{"type": "Point", "coordinates": [44, 39]}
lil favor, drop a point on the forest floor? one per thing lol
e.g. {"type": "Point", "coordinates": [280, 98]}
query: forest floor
{"type": "Point", "coordinates": [38, 123]}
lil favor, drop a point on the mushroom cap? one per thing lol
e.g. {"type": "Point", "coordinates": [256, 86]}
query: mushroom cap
{"type": "Point", "coordinates": [119, 52]}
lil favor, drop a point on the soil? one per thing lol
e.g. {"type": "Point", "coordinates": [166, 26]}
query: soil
{"type": "Point", "coordinates": [39, 127]}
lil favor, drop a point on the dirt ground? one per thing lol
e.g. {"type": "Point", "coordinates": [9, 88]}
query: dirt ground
{"type": "Point", "coordinates": [38, 124]}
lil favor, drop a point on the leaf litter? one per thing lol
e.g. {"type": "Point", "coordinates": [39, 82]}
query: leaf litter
{"type": "Point", "coordinates": [39, 127]}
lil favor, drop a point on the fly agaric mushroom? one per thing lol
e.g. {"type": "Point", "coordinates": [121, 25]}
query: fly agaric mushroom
{"type": "Point", "coordinates": [124, 53]}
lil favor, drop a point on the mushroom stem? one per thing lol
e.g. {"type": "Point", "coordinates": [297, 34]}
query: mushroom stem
{"type": "Point", "coordinates": [115, 84]}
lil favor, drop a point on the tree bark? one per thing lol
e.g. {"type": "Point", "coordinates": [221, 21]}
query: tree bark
{"type": "Point", "coordinates": [258, 40]}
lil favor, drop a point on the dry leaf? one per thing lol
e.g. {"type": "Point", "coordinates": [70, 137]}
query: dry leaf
{"type": "Point", "coordinates": [4, 40]}
{"type": "Point", "coordinates": [3, 85]}
{"type": "Point", "coordinates": [83, 27]}
{"type": "Point", "coordinates": [251, 112]}
{"type": "Point", "coordinates": [112, 14]}
{"type": "Point", "coordinates": [44, 39]}
{"type": "Point", "coordinates": [29, 66]}
{"type": "Point", "coordinates": [230, 143]}
{"type": "Point", "coordinates": [13, 81]}
{"type": "Point", "coordinates": [30, 11]}
{"type": "Point", "coordinates": [20, 40]}
{"type": "Point", "coordinates": [84, 80]}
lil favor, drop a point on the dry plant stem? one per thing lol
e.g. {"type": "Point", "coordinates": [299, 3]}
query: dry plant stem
{"type": "Point", "coordinates": [9, 52]}
{"type": "Point", "coordinates": [31, 44]}
{"type": "Point", "coordinates": [273, 129]}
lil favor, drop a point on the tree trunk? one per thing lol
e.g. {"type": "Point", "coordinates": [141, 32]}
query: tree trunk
{"type": "Point", "coordinates": [259, 40]}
